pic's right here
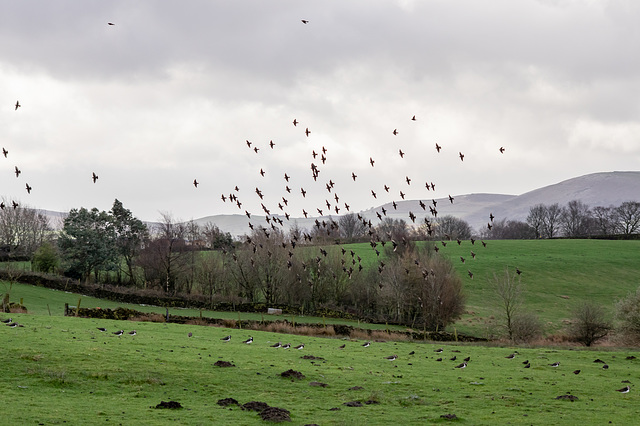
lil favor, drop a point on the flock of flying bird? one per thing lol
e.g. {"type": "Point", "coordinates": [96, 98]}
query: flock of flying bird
{"type": "Point", "coordinates": [335, 204]}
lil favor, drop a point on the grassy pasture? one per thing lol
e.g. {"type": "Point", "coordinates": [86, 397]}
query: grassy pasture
{"type": "Point", "coordinates": [61, 369]}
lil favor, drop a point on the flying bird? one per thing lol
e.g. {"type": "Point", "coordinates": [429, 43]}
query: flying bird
{"type": "Point", "coordinates": [94, 177]}
{"type": "Point", "coordinates": [501, 150]}
{"type": "Point", "coordinates": [28, 189]}
{"type": "Point", "coordinates": [305, 21]}
{"type": "Point", "coordinates": [4, 152]}
{"type": "Point", "coordinates": [195, 183]}
{"type": "Point", "coordinates": [413, 118]}
{"type": "Point", "coordinates": [271, 144]}
{"type": "Point", "coordinates": [354, 176]}
{"type": "Point", "coordinates": [401, 153]}
{"type": "Point", "coordinates": [461, 156]}
{"type": "Point", "coordinates": [371, 161]}
{"type": "Point", "coordinates": [295, 122]}
{"type": "Point", "coordinates": [451, 199]}
{"type": "Point", "coordinates": [307, 132]}
{"type": "Point", "coordinates": [17, 171]}
{"type": "Point", "coordinates": [395, 131]}
{"type": "Point", "coordinates": [110, 23]}
{"type": "Point", "coordinates": [17, 105]}
{"type": "Point", "coordinates": [438, 147]}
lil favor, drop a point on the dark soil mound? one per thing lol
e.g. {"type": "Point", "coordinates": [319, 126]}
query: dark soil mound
{"type": "Point", "coordinates": [567, 397]}
{"type": "Point", "coordinates": [449, 416]}
{"type": "Point", "coordinates": [334, 409]}
{"type": "Point", "coordinates": [171, 405]}
{"type": "Point", "coordinates": [292, 374]}
{"type": "Point", "coordinates": [353, 404]}
{"type": "Point", "coordinates": [223, 364]}
{"type": "Point", "coordinates": [275, 414]}
{"type": "Point", "coordinates": [356, 388]}
{"type": "Point", "coordinates": [311, 357]}
{"type": "Point", "coordinates": [372, 401]}
{"type": "Point", "coordinates": [322, 385]}
{"type": "Point", "coordinates": [227, 401]}
{"type": "Point", "coordinates": [255, 406]}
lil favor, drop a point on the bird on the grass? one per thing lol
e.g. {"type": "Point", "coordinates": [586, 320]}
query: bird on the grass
{"type": "Point", "coordinates": [133, 333]}
{"type": "Point", "coordinates": [94, 176]}
{"type": "Point", "coordinates": [453, 358]}
{"type": "Point", "coordinates": [467, 359]}
{"type": "Point", "coordinates": [226, 338]}
{"type": "Point", "coordinates": [518, 271]}
{"type": "Point", "coordinates": [391, 358]}
{"type": "Point", "coordinates": [439, 359]}
{"type": "Point", "coordinates": [625, 389]}
{"type": "Point", "coordinates": [576, 372]}
{"type": "Point", "coordinates": [277, 345]}
{"type": "Point", "coordinates": [287, 346]}
{"type": "Point", "coordinates": [555, 364]}
{"type": "Point", "coordinates": [527, 366]}
{"type": "Point", "coordinates": [605, 366]}
{"type": "Point", "coordinates": [439, 350]}
{"type": "Point", "coordinates": [299, 347]}
{"type": "Point", "coordinates": [119, 332]}
{"type": "Point", "coordinates": [366, 344]}
{"type": "Point", "coordinates": [463, 365]}
{"type": "Point", "coordinates": [7, 321]}
{"type": "Point", "coordinates": [190, 334]}
{"type": "Point", "coordinates": [14, 325]}
{"type": "Point", "coordinates": [342, 346]}
{"type": "Point", "coordinates": [248, 341]}
{"type": "Point", "coordinates": [102, 329]}
{"type": "Point", "coordinates": [512, 356]}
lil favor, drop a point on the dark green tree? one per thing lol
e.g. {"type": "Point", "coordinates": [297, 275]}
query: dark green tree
{"type": "Point", "coordinates": [130, 233]}
{"type": "Point", "coordinates": [87, 242]}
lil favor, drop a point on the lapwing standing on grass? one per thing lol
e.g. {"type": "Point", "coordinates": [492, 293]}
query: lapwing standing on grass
{"type": "Point", "coordinates": [391, 358]}
{"type": "Point", "coordinates": [342, 346]}
{"type": "Point", "coordinates": [366, 344]}
{"type": "Point", "coordinates": [512, 356]}
{"type": "Point", "coordinates": [625, 389]}
{"type": "Point", "coordinates": [277, 345]}
{"type": "Point", "coordinates": [287, 346]}
{"type": "Point", "coordinates": [439, 350]}
{"type": "Point", "coordinates": [133, 333]}
{"type": "Point", "coordinates": [463, 365]}
{"type": "Point", "coordinates": [248, 341]}
{"type": "Point", "coordinates": [7, 321]}
{"type": "Point", "coordinates": [13, 325]}
{"type": "Point", "coordinates": [299, 347]}
{"type": "Point", "coordinates": [102, 329]}
{"type": "Point", "coordinates": [555, 364]}
{"type": "Point", "coordinates": [576, 372]}
{"type": "Point", "coordinates": [226, 339]}
{"type": "Point", "coordinates": [119, 332]}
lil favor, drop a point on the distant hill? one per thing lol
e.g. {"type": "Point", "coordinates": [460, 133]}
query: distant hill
{"type": "Point", "coordinates": [596, 189]}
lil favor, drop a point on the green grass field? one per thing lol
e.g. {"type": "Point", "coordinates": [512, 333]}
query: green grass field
{"type": "Point", "coordinates": [63, 370]}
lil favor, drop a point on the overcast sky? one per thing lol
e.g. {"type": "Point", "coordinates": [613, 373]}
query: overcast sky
{"type": "Point", "coordinates": [172, 91]}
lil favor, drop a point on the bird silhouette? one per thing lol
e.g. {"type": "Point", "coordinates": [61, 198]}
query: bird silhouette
{"type": "Point", "coordinates": [395, 131]}
{"type": "Point", "coordinates": [408, 180]}
{"type": "Point", "coordinates": [307, 132]}
{"type": "Point", "coordinates": [501, 150]}
{"type": "Point", "coordinates": [4, 152]}
{"type": "Point", "coordinates": [354, 176]}
{"type": "Point", "coordinates": [94, 177]}
{"type": "Point", "coordinates": [195, 183]}
{"type": "Point", "coordinates": [413, 118]}
{"type": "Point", "coordinates": [371, 161]}
{"type": "Point", "coordinates": [295, 122]}
{"type": "Point", "coordinates": [28, 189]}
{"type": "Point", "coordinates": [401, 153]}
{"type": "Point", "coordinates": [17, 171]}
{"type": "Point", "coordinates": [110, 23]}
{"type": "Point", "coordinates": [305, 21]}
{"type": "Point", "coordinates": [461, 155]}
{"type": "Point", "coordinates": [271, 144]}
{"type": "Point", "coordinates": [17, 105]}
{"type": "Point", "coordinates": [438, 147]}
{"type": "Point", "coordinates": [451, 199]}
{"type": "Point", "coordinates": [625, 389]}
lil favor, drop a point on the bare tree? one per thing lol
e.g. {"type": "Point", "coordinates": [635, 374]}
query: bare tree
{"type": "Point", "coordinates": [351, 228]}
{"type": "Point", "coordinates": [451, 227]}
{"type": "Point", "coordinates": [22, 230]}
{"type": "Point", "coordinates": [552, 220]}
{"type": "Point", "coordinates": [576, 219]}
{"type": "Point", "coordinates": [536, 218]}
{"type": "Point", "coordinates": [628, 216]}
{"type": "Point", "coordinates": [509, 294]}
{"type": "Point", "coordinates": [511, 230]}
{"type": "Point", "coordinates": [589, 324]}
{"type": "Point", "coordinates": [604, 219]}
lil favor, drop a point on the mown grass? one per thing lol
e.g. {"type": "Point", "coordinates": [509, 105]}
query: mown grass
{"type": "Point", "coordinates": [62, 369]}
